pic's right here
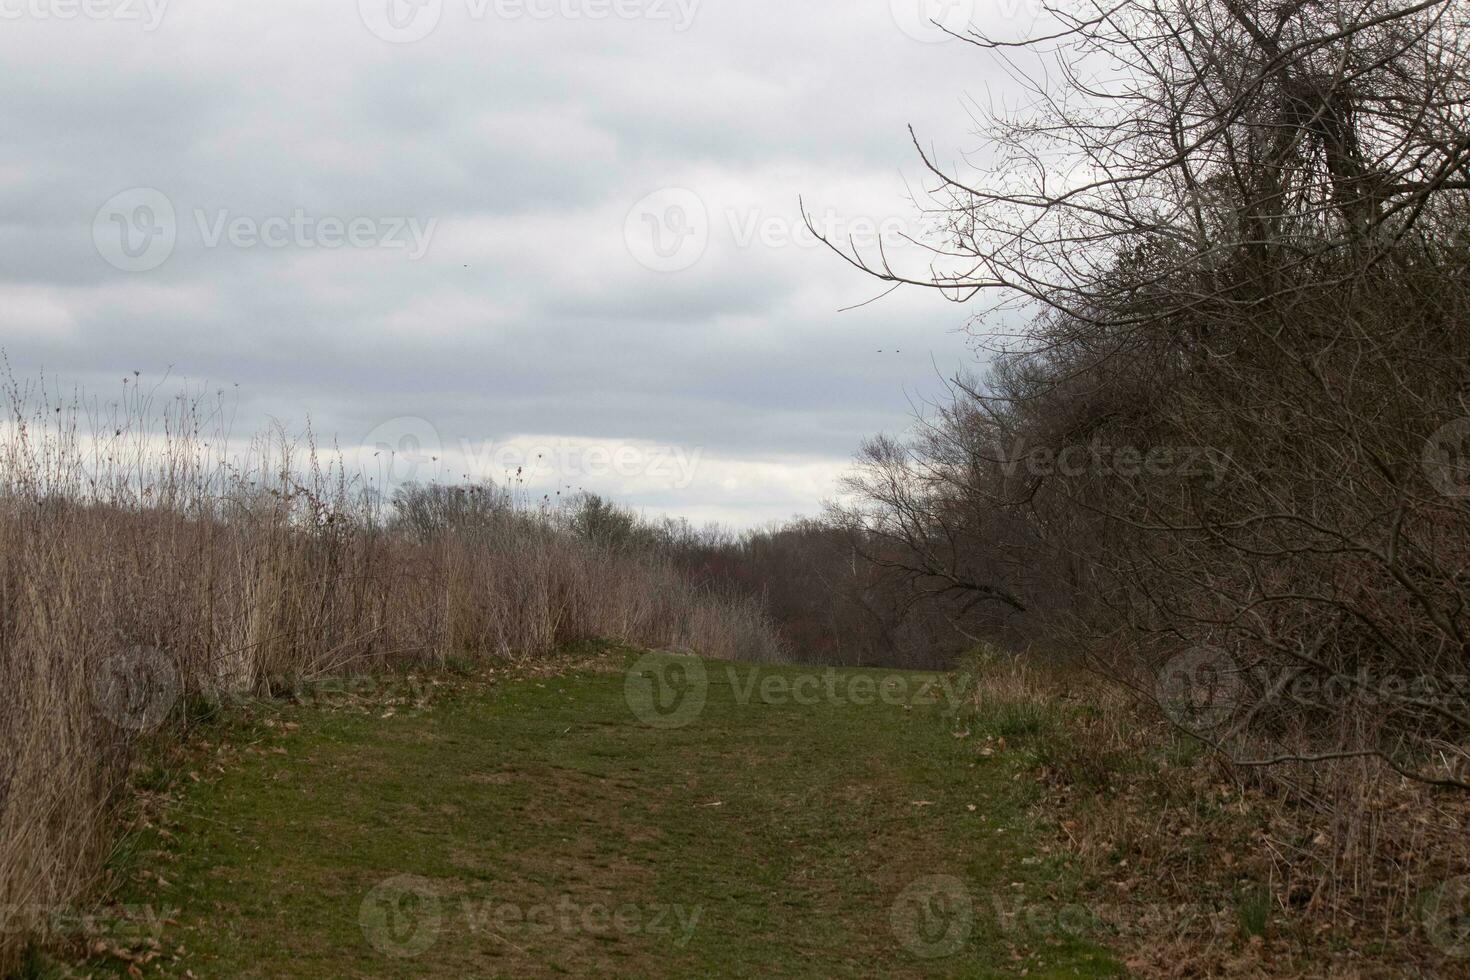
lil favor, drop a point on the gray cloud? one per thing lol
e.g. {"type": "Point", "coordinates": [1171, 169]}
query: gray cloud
{"type": "Point", "coordinates": [526, 142]}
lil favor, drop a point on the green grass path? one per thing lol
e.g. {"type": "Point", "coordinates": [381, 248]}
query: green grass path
{"type": "Point", "coordinates": [679, 820]}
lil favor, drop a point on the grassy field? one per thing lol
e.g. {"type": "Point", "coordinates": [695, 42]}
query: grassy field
{"type": "Point", "coordinates": [636, 816]}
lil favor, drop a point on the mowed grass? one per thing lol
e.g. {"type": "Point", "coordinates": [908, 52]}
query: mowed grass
{"type": "Point", "coordinates": [752, 821]}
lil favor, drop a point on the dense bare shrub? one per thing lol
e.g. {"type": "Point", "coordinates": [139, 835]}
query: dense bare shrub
{"type": "Point", "coordinates": [1187, 872]}
{"type": "Point", "coordinates": [1224, 462]}
{"type": "Point", "coordinates": [1228, 450]}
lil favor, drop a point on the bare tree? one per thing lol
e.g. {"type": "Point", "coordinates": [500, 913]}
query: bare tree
{"type": "Point", "coordinates": [1229, 432]}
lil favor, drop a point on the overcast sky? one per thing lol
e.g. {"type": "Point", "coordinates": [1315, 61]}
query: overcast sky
{"type": "Point", "coordinates": [492, 229]}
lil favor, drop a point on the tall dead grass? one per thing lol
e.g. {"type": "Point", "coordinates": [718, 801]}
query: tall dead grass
{"type": "Point", "coordinates": [145, 558]}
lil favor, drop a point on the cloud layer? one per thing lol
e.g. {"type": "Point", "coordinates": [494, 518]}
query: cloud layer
{"type": "Point", "coordinates": [565, 223]}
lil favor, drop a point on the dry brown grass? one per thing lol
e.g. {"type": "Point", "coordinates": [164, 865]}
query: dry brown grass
{"type": "Point", "coordinates": [142, 564]}
{"type": "Point", "coordinates": [1195, 868]}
